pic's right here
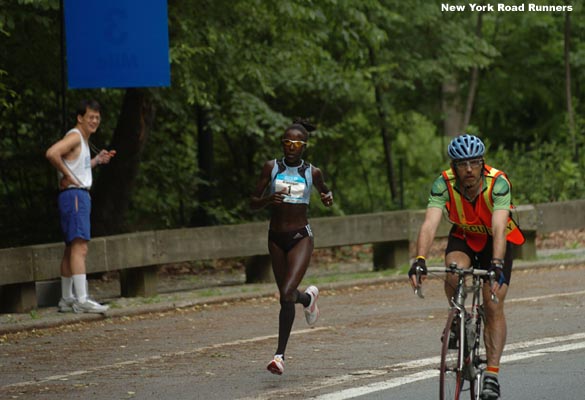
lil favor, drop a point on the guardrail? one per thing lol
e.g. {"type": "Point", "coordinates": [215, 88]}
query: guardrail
{"type": "Point", "coordinates": [137, 255]}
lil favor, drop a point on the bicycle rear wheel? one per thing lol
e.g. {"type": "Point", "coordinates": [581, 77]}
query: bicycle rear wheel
{"type": "Point", "coordinates": [451, 376]}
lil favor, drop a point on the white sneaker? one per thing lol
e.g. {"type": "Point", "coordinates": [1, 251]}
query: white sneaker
{"type": "Point", "coordinates": [312, 311]}
{"type": "Point", "coordinates": [66, 305]}
{"type": "Point", "coordinates": [89, 306]}
{"type": "Point", "coordinates": [276, 366]}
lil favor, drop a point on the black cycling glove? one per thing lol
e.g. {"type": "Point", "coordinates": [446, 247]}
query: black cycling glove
{"type": "Point", "coordinates": [497, 266]}
{"type": "Point", "coordinates": [419, 262]}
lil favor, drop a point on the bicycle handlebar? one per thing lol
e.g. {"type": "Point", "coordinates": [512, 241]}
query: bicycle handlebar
{"type": "Point", "coordinates": [454, 270]}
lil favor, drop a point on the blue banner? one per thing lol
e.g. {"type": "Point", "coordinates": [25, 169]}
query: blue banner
{"type": "Point", "coordinates": [117, 43]}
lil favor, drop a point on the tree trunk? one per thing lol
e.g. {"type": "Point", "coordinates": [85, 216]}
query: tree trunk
{"type": "Point", "coordinates": [568, 92]}
{"type": "Point", "coordinates": [473, 82]}
{"type": "Point", "coordinates": [205, 162]}
{"type": "Point", "coordinates": [387, 141]}
{"type": "Point", "coordinates": [387, 146]}
{"type": "Point", "coordinates": [114, 186]}
{"type": "Point", "coordinates": [451, 106]}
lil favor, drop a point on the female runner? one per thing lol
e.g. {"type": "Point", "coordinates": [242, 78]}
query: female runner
{"type": "Point", "coordinates": [290, 240]}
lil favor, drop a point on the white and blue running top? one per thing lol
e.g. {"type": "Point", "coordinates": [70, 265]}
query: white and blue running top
{"type": "Point", "coordinates": [297, 181]}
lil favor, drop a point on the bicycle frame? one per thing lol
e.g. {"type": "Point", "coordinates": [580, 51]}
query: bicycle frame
{"type": "Point", "coordinates": [469, 365]}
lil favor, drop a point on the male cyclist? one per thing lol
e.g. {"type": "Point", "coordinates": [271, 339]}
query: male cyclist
{"type": "Point", "coordinates": [477, 200]}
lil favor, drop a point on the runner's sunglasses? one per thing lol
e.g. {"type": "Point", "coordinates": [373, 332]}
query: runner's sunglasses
{"type": "Point", "coordinates": [296, 144]}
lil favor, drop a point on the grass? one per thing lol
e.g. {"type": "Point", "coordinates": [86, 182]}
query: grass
{"type": "Point", "coordinates": [333, 278]}
{"type": "Point", "coordinates": [559, 256]}
{"type": "Point", "coordinates": [210, 292]}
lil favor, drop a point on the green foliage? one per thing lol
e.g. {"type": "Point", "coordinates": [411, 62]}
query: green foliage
{"type": "Point", "coordinates": [243, 69]}
{"type": "Point", "coordinates": [540, 173]}
{"type": "Point", "coordinates": [423, 157]}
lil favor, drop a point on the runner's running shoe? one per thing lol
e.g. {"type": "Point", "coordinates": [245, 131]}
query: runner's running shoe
{"type": "Point", "coordinates": [312, 311]}
{"type": "Point", "coordinates": [66, 305]}
{"type": "Point", "coordinates": [491, 388]}
{"type": "Point", "coordinates": [89, 306]}
{"type": "Point", "coordinates": [276, 366]}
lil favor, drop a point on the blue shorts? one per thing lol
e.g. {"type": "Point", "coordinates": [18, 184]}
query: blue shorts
{"type": "Point", "coordinates": [74, 211]}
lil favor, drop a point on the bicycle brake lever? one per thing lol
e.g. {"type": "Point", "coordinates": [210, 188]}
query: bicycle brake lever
{"type": "Point", "coordinates": [418, 289]}
{"type": "Point", "coordinates": [493, 296]}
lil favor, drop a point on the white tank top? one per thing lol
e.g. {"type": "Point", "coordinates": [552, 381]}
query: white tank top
{"type": "Point", "coordinates": [80, 167]}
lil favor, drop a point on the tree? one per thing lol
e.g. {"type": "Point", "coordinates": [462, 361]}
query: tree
{"type": "Point", "coordinates": [377, 76]}
{"type": "Point", "coordinates": [568, 91]}
{"type": "Point", "coordinates": [113, 190]}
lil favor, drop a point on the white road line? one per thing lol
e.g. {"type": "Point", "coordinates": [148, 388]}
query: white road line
{"type": "Point", "coordinates": [544, 341]}
{"type": "Point", "coordinates": [356, 376]}
{"type": "Point", "coordinates": [379, 386]}
{"type": "Point", "coordinates": [331, 381]}
{"type": "Point", "coordinates": [157, 357]}
{"type": "Point", "coordinates": [542, 352]}
{"type": "Point", "coordinates": [432, 373]}
{"type": "Point", "coordinates": [544, 297]}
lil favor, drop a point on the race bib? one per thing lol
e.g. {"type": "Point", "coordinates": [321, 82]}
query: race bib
{"type": "Point", "coordinates": [293, 186]}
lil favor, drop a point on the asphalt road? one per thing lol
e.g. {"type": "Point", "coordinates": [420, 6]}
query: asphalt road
{"type": "Point", "coordinates": [372, 342]}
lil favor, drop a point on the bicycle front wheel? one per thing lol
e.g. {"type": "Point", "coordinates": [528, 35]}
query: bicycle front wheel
{"type": "Point", "coordinates": [451, 376]}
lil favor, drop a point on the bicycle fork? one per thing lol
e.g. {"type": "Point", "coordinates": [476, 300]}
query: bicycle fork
{"type": "Point", "coordinates": [477, 362]}
{"type": "Point", "coordinates": [471, 364]}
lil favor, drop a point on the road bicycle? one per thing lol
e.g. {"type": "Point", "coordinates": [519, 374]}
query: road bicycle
{"type": "Point", "coordinates": [463, 358]}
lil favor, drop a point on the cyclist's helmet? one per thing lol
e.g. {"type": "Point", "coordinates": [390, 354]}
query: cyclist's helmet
{"type": "Point", "coordinates": [465, 146]}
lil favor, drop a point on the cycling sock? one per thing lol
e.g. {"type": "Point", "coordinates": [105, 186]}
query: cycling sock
{"type": "Point", "coordinates": [492, 370]}
{"type": "Point", "coordinates": [303, 298]}
{"type": "Point", "coordinates": [285, 322]}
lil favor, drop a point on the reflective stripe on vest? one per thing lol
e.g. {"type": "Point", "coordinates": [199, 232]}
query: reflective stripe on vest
{"type": "Point", "coordinates": [476, 223]}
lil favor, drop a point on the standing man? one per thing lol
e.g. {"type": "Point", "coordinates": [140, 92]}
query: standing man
{"type": "Point", "coordinates": [477, 199]}
{"type": "Point", "coordinates": [71, 157]}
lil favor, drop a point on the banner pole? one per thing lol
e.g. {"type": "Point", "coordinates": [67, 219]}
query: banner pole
{"type": "Point", "coordinates": [63, 74]}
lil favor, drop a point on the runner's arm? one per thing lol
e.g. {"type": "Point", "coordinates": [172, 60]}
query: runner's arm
{"type": "Point", "coordinates": [257, 199]}
{"type": "Point", "coordinates": [324, 192]}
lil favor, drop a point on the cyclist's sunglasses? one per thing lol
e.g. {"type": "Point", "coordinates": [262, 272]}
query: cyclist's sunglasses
{"type": "Point", "coordinates": [474, 164]}
{"type": "Point", "coordinates": [296, 144]}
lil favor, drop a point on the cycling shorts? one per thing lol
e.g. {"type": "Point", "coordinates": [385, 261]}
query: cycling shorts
{"type": "Point", "coordinates": [484, 257]}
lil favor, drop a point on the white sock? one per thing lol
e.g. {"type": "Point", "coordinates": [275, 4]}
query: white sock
{"type": "Point", "coordinates": [67, 287]}
{"type": "Point", "coordinates": [79, 283]}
